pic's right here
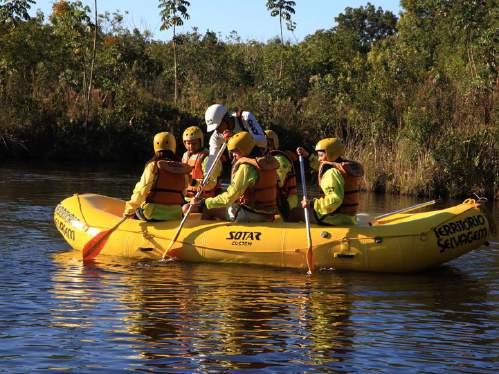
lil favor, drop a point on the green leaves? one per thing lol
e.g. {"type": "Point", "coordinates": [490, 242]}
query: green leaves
{"type": "Point", "coordinates": [173, 12]}
{"type": "Point", "coordinates": [13, 12]}
{"type": "Point", "coordinates": [367, 24]}
{"type": "Point", "coordinates": [284, 9]}
{"type": "Point", "coordinates": [415, 99]}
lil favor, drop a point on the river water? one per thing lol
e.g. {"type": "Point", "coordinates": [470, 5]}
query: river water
{"type": "Point", "coordinates": [57, 314]}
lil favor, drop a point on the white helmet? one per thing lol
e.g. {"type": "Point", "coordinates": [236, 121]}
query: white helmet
{"type": "Point", "coordinates": [214, 115]}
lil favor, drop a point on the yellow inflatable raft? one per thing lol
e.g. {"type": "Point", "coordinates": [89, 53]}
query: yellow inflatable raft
{"type": "Point", "coordinates": [399, 243]}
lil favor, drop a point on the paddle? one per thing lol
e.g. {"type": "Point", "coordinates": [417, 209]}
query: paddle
{"type": "Point", "coordinates": [202, 185]}
{"type": "Point", "coordinates": [404, 210]}
{"type": "Point", "coordinates": [310, 260]}
{"type": "Point", "coordinates": [95, 245]}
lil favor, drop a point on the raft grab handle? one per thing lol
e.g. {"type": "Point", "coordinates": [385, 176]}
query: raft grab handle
{"type": "Point", "coordinates": [404, 210]}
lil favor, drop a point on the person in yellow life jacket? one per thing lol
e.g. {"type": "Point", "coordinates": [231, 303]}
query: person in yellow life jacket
{"type": "Point", "coordinates": [287, 197]}
{"type": "Point", "coordinates": [339, 180]}
{"type": "Point", "coordinates": [159, 194]}
{"type": "Point", "coordinates": [196, 157]}
{"type": "Point", "coordinates": [252, 193]}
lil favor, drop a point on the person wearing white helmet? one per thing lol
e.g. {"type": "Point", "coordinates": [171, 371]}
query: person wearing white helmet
{"type": "Point", "coordinates": [252, 193]}
{"type": "Point", "coordinates": [220, 120]}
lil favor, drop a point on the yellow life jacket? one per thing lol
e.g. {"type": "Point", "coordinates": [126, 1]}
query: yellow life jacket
{"type": "Point", "coordinates": [289, 185]}
{"type": "Point", "coordinates": [262, 196]}
{"type": "Point", "coordinates": [170, 183]}
{"type": "Point", "coordinates": [352, 173]}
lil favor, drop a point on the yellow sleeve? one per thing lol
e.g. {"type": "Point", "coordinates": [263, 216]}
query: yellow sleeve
{"type": "Point", "coordinates": [284, 168]}
{"type": "Point", "coordinates": [313, 162]}
{"type": "Point", "coordinates": [293, 201]}
{"type": "Point", "coordinates": [141, 189]}
{"type": "Point", "coordinates": [245, 176]}
{"type": "Point", "coordinates": [333, 185]}
{"type": "Point", "coordinates": [215, 174]}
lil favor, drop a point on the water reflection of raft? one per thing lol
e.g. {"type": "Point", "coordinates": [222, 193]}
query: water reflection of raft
{"type": "Point", "coordinates": [402, 243]}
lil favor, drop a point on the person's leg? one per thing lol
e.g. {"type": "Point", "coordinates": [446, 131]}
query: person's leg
{"type": "Point", "coordinates": [295, 215]}
{"type": "Point", "coordinates": [215, 213]}
{"type": "Point", "coordinates": [298, 215]}
{"type": "Point", "coordinates": [245, 215]}
{"type": "Point", "coordinates": [139, 214]}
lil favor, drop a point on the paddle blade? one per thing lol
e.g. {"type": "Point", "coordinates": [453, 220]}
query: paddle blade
{"type": "Point", "coordinates": [168, 250]}
{"type": "Point", "coordinates": [310, 261]}
{"type": "Point", "coordinates": [95, 245]}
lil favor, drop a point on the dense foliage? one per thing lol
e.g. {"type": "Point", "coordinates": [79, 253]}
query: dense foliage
{"type": "Point", "coordinates": [414, 97]}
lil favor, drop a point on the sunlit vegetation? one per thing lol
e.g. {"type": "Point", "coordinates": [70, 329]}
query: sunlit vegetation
{"type": "Point", "coordinates": [414, 97]}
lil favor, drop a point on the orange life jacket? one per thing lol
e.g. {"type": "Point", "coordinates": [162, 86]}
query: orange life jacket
{"type": "Point", "coordinates": [289, 185]}
{"type": "Point", "coordinates": [170, 183]}
{"type": "Point", "coordinates": [195, 161]}
{"type": "Point", "coordinates": [352, 173]}
{"type": "Point", "coordinates": [262, 196]}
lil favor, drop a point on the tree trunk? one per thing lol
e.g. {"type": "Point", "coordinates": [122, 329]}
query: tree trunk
{"type": "Point", "coordinates": [280, 25]}
{"type": "Point", "coordinates": [174, 67]}
{"type": "Point", "coordinates": [282, 46]}
{"type": "Point", "coordinates": [92, 64]}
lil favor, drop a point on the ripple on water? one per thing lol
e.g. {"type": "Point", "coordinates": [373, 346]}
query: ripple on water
{"type": "Point", "coordinates": [57, 313]}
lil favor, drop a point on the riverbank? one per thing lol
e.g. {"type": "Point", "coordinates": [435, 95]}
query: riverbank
{"type": "Point", "coordinates": [414, 97]}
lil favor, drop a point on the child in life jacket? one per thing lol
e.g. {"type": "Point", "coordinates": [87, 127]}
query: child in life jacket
{"type": "Point", "coordinates": [159, 194]}
{"type": "Point", "coordinates": [339, 180]}
{"type": "Point", "coordinates": [252, 193]}
{"type": "Point", "coordinates": [197, 158]}
{"type": "Point", "coordinates": [223, 124]}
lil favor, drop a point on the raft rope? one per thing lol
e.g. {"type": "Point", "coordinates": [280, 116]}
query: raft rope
{"type": "Point", "coordinates": [422, 234]}
{"type": "Point", "coordinates": [81, 212]}
{"type": "Point", "coordinates": [486, 212]}
{"type": "Point", "coordinates": [471, 202]}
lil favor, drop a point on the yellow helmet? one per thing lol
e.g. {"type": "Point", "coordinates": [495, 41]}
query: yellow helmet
{"type": "Point", "coordinates": [333, 147]}
{"type": "Point", "coordinates": [193, 133]}
{"type": "Point", "coordinates": [271, 135]}
{"type": "Point", "coordinates": [243, 142]}
{"type": "Point", "coordinates": [164, 141]}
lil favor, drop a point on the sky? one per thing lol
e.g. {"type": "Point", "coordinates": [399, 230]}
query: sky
{"type": "Point", "coordinates": [249, 18]}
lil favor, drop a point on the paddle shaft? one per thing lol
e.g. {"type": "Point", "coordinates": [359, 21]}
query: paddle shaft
{"type": "Point", "coordinates": [202, 185]}
{"type": "Point", "coordinates": [309, 254]}
{"type": "Point", "coordinates": [404, 210]}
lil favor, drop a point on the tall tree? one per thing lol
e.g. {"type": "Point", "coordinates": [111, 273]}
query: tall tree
{"type": "Point", "coordinates": [15, 11]}
{"type": "Point", "coordinates": [172, 14]}
{"type": "Point", "coordinates": [71, 22]}
{"type": "Point", "coordinates": [92, 64]}
{"type": "Point", "coordinates": [285, 10]}
{"type": "Point", "coordinates": [367, 25]}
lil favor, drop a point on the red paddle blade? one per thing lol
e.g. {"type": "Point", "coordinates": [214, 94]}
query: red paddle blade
{"type": "Point", "coordinates": [95, 245]}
